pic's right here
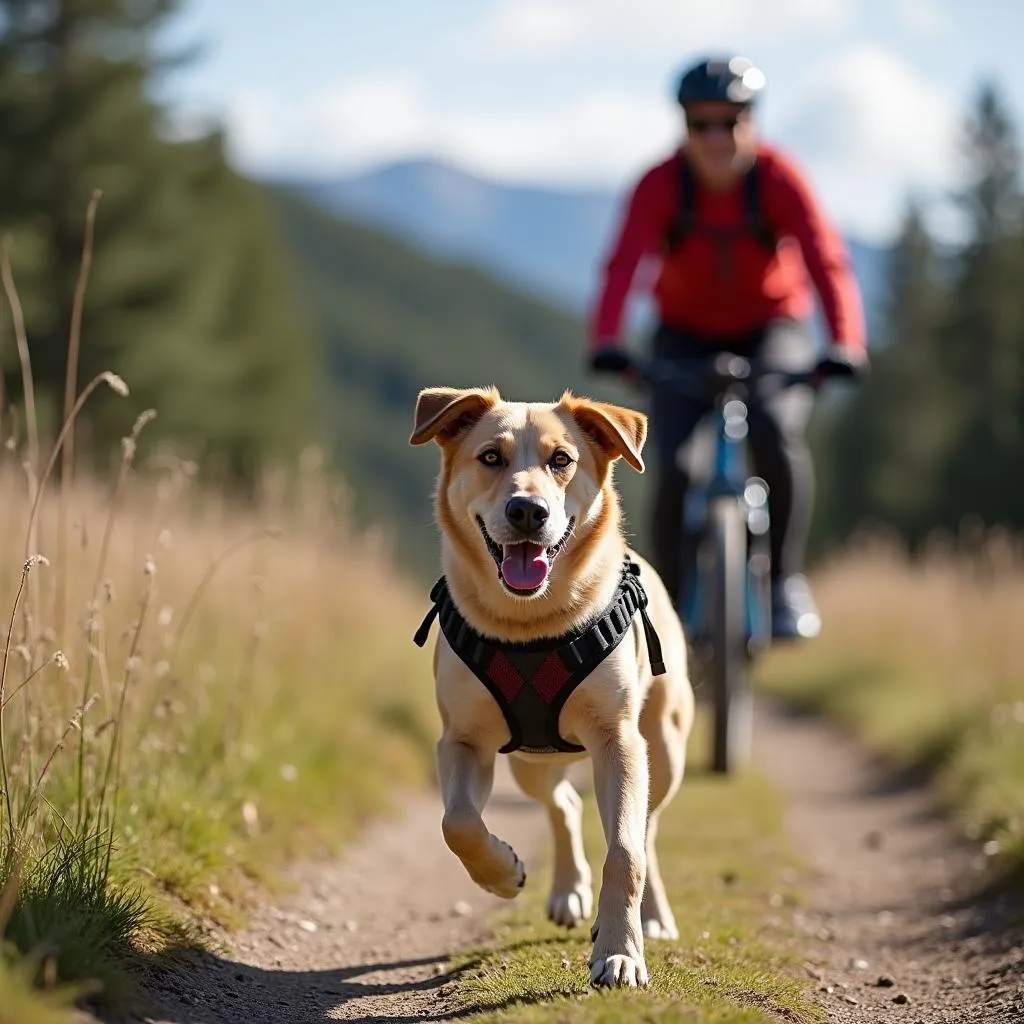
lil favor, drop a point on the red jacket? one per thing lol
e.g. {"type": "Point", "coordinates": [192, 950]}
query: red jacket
{"type": "Point", "coordinates": [692, 292]}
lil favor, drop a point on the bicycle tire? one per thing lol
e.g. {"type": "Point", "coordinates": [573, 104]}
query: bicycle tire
{"type": "Point", "coordinates": [731, 699]}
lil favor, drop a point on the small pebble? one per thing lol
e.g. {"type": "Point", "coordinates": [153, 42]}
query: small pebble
{"type": "Point", "coordinates": [901, 998]}
{"type": "Point", "coordinates": [874, 840]}
{"type": "Point", "coordinates": [462, 909]}
{"type": "Point", "coordinates": [885, 981]}
{"type": "Point", "coordinates": [859, 964]}
{"type": "Point", "coordinates": [851, 1000]}
{"type": "Point", "coordinates": [307, 926]}
{"type": "Point", "coordinates": [351, 926]}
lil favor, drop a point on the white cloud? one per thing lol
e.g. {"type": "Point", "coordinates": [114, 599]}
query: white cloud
{"type": "Point", "coordinates": [530, 27]}
{"type": "Point", "coordinates": [927, 17]}
{"type": "Point", "coordinates": [871, 129]}
{"type": "Point", "coordinates": [600, 136]}
{"type": "Point", "coordinates": [363, 120]}
{"type": "Point", "coordinates": [597, 137]}
{"type": "Point", "coordinates": [516, 28]}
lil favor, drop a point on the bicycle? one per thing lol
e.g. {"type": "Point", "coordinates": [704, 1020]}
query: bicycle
{"type": "Point", "coordinates": [727, 610]}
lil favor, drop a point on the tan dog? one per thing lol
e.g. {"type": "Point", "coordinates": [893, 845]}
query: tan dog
{"type": "Point", "coordinates": [526, 489]}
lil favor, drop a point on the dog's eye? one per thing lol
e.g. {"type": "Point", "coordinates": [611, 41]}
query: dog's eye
{"type": "Point", "coordinates": [491, 457]}
{"type": "Point", "coordinates": [561, 460]}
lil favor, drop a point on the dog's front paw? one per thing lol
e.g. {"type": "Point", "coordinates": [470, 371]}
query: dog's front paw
{"type": "Point", "coordinates": [619, 971]}
{"type": "Point", "coordinates": [569, 908]}
{"type": "Point", "coordinates": [506, 876]}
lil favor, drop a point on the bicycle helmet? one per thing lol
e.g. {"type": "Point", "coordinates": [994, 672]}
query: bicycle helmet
{"type": "Point", "coordinates": [726, 79]}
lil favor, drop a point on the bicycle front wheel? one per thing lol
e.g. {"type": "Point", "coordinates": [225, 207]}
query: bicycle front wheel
{"type": "Point", "coordinates": [731, 699]}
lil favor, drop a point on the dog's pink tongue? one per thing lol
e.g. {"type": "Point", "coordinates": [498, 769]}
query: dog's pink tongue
{"type": "Point", "coordinates": [525, 566]}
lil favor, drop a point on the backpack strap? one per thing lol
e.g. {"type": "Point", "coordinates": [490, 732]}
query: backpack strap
{"type": "Point", "coordinates": [756, 221]}
{"type": "Point", "coordinates": [686, 205]}
{"type": "Point", "coordinates": [686, 208]}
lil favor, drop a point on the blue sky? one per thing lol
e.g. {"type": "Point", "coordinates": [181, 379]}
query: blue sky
{"type": "Point", "coordinates": [868, 95]}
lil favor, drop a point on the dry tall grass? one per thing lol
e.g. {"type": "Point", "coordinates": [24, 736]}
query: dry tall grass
{"type": "Point", "coordinates": [227, 690]}
{"type": "Point", "coordinates": [925, 659]}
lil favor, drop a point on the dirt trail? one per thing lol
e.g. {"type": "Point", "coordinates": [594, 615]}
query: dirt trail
{"type": "Point", "coordinates": [888, 877]}
{"type": "Point", "coordinates": [890, 900]}
{"type": "Point", "coordinates": [387, 919]}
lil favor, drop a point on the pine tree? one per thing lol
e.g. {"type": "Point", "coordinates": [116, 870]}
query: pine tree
{"type": "Point", "coordinates": [882, 447]}
{"type": "Point", "coordinates": [916, 421]}
{"type": "Point", "coordinates": [982, 346]}
{"type": "Point", "coordinates": [935, 434]}
{"type": "Point", "coordinates": [181, 300]}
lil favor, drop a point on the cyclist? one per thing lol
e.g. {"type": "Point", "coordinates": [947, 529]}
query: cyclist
{"type": "Point", "coordinates": [741, 237]}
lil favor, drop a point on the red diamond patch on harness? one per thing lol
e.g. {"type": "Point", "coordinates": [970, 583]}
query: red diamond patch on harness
{"type": "Point", "coordinates": [550, 677]}
{"type": "Point", "coordinates": [503, 674]}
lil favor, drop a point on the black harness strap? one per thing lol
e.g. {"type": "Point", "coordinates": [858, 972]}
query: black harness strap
{"type": "Point", "coordinates": [532, 681]}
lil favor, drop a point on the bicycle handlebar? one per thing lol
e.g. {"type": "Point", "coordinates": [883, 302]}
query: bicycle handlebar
{"type": "Point", "coordinates": [717, 371]}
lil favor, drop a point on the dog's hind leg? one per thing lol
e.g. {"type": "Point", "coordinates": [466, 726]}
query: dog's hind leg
{"type": "Point", "coordinates": [571, 899]}
{"type": "Point", "coordinates": [466, 775]}
{"type": "Point", "coordinates": [664, 728]}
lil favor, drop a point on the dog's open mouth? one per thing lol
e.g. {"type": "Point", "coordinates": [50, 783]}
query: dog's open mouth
{"type": "Point", "coordinates": [524, 566]}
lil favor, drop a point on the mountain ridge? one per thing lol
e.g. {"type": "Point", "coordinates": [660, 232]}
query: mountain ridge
{"type": "Point", "coordinates": [548, 240]}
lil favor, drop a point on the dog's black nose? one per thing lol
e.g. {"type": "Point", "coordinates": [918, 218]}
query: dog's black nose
{"type": "Point", "coordinates": [527, 515]}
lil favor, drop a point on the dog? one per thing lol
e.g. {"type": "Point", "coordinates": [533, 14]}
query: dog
{"type": "Point", "coordinates": [533, 554]}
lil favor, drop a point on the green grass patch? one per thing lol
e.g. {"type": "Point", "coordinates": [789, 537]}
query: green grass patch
{"type": "Point", "coordinates": [920, 660]}
{"type": "Point", "coordinates": [733, 885]}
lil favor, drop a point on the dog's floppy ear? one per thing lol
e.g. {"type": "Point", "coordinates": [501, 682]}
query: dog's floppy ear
{"type": "Point", "coordinates": [442, 413]}
{"type": "Point", "coordinates": [614, 429]}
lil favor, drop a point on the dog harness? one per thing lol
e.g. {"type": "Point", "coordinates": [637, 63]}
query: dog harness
{"type": "Point", "coordinates": [532, 681]}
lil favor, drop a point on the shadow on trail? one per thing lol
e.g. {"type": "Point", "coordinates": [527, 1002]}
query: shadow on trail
{"type": "Point", "coordinates": [198, 987]}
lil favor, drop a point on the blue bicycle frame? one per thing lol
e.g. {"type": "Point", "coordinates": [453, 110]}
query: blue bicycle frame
{"type": "Point", "coordinates": [730, 480]}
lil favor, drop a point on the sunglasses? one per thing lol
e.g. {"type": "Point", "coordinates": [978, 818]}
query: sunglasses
{"type": "Point", "coordinates": [704, 126]}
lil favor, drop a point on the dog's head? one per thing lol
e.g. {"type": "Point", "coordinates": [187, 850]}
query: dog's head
{"type": "Point", "coordinates": [522, 484]}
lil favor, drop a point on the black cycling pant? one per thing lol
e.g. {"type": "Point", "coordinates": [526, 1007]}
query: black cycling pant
{"type": "Point", "coordinates": [775, 437]}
